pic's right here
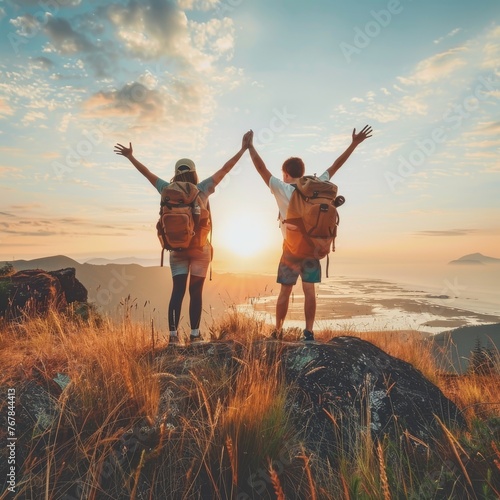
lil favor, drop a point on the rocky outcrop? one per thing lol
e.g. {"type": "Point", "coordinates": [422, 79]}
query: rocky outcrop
{"type": "Point", "coordinates": [349, 385]}
{"type": "Point", "coordinates": [35, 291]}
{"type": "Point", "coordinates": [340, 391]}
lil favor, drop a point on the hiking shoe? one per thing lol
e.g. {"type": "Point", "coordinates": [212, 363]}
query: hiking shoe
{"type": "Point", "coordinates": [308, 336]}
{"type": "Point", "coordinates": [195, 338]}
{"type": "Point", "coordinates": [277, 335]}
{"type": "Point", "coordinates": [173, 339]}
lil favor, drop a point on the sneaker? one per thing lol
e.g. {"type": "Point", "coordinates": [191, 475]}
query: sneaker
{"type": "Point", "coordinates": [195, 338]}
{"type": "Point", "coordinates": [173, 339]}
{"type": "Point", "coordinates": [277, 335]}
{"type": "Point", "coordinates": [308, 336]}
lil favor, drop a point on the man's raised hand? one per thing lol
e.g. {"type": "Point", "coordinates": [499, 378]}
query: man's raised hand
{"type": "Point", "coordinates": [361, 136]}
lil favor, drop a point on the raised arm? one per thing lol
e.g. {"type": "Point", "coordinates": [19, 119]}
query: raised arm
{"type": "Point", "coordinates": [128, 153]}
{"type": "Point", "coordinates": [258, 162]}
{"type": "Point", "coordinates": [220, 174]}
{"type": "Point", "coordinates": [357, 139]}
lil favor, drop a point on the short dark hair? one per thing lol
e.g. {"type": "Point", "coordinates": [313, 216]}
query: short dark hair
{"type": "Point", "coordinates": [294, 167]}
{"type": "Point", "coordinates": [189, 176]}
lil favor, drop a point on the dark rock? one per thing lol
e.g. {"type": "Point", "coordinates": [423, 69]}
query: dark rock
{"type": "Point", "coordinates": [347, 385]}
{"type": "Point", "coordinates": [36, 414]}
{"type": "Point", "coordinates": [34, 291]}
{"type": "Point", "coordinates": [73, 289]}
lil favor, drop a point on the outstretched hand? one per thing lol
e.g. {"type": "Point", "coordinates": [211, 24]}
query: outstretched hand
{"type": "Point", "coordinates": [123, 150]}
{"type": "Point", "coordinates": [361, 136]}
{"type": "Point", "coordinates": [247, 140]}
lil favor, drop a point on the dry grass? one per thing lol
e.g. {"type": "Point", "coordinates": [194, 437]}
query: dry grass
{"type": "Point", "coordinates": [234, 434]}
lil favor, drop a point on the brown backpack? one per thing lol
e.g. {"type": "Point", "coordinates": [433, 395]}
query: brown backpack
{"type": "Point", "coordinates": [185, 220]}
{"type": "Point", "coordinates": [312, 218]}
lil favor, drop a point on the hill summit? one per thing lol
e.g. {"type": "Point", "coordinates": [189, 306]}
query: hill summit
{"type": "Point", "coordinates": [475, 259]}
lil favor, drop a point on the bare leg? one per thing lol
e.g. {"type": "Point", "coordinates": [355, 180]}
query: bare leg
{"type": "Point", "coordinates": [309, 304]}
{"type": "Point", "coordinates": [282, 305]}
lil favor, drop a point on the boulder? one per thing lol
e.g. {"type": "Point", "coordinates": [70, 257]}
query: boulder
{"type": "Point", "coordinates": [348, 385]}
{"type": "Point", "coordinates": [34, 291]}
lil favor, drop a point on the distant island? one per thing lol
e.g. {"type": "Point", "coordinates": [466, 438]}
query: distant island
{"type": "Point", "coordinates": [475, 259]}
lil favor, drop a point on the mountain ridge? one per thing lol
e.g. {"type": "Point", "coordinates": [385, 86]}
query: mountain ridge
{"type": "Point", "coordinates": [142, 292]}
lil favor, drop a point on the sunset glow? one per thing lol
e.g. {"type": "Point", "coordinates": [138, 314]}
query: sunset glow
{"type": "Point", "coordinates": [181, 78]}
{"type": "Point", "coordinates": [244, 235]}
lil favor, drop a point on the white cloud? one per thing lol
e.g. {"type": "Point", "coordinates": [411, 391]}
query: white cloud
{"type": "Point", "coordinates": [452, 33]}
{"type": "Point", "coordinates": [26, 25]}
{"type": "Point", "coordinates": [436, 67]}
{"type": "Point", "coordinates": [33, 116]}
{"type": "Point", "coordinates": [5, 109]}
{"type": "Point", "coordinates": [198, 4]}
{"type": "Point", "coordinates": [160, 29]}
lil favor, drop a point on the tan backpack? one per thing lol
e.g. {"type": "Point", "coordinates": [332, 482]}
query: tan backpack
{"type": "Point", "coordinates": [312, 218]}
{"type": "Point", "coordinates": [185, 220]}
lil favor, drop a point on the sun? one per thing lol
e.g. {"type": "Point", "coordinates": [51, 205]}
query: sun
{"type": "Point", "coordinates": [244, 234]}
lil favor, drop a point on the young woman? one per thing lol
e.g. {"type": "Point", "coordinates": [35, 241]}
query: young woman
{"type": "Point", "coordinates": [192, 261]}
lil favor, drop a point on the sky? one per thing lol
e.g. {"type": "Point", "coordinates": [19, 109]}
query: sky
{"type": "Point", "coordinates": [187, 78]}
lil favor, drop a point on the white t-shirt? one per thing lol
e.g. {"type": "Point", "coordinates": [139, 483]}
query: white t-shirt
{"type": "Point", "coordinates": [283, 192]}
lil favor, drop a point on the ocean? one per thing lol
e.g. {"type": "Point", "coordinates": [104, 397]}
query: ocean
{"type": "Point", "coordinates": [428, 300]}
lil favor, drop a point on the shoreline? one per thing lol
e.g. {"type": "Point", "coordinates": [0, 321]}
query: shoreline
{"type": "Point", "coordinates": [364, 304]}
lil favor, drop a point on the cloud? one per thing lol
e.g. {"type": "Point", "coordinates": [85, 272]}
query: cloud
{"type": "Point", "coordinates": [66, 41]}
{"type": "Point", "coordinates": [32, 116]}
{"type": "Point", "coordinates": [176, 104]}
{"type": "Point", "coordinates": [5, 109]}
{"type": "Point", "coordinates": [156, 29]}
{"type": "Point", "coordinates": [42, 63]}
{"type": "Point", "coordinates": [9, 171]}
{"type": "Point", "coordinates": [449, 232]}
{"type": "Point", "coordinates": [436, 67]}
{"type": "Point", "coordinates": [489, 128]}
{"type": "Point", "coordinates": [491, 49]}
{"type": "Point", "coordinates": [64, 38]}
{"type": "Point", "coordinates": [198, 4]}
{"type": "Point", "coordinates": [20, 225]}
{"type": "Point", "coordinates": [216, 37]}
{"type": "Point", "coordinates": [26, 206]}
{"type": "Point", "coordinates": [451, 34]}
{"type": "Point", "coordinates": [26, 25]}
{"type": "Point", "coordinates": [151, 29]}
{"type": "Point", "coordinates": [59, 3]}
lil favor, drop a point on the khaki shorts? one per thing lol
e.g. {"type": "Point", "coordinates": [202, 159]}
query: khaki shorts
{"type": "Point", "coordinates": [194, 260]}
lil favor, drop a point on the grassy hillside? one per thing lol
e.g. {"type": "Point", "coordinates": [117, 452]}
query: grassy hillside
{"type": "Point", "coordinates": [232, 436]}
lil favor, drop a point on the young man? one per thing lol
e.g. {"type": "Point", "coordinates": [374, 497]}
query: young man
{"type": "Point", "coordinates": [290, 266]}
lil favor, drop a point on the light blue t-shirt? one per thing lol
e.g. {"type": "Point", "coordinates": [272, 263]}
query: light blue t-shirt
{"type": "Point", "coordinates": [206, 187]}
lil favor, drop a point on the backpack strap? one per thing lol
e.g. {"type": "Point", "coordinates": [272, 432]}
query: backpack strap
{"type": "Point", "coordinates": [210, 238]}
